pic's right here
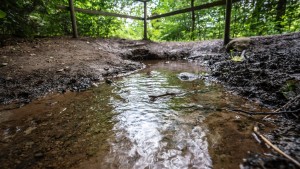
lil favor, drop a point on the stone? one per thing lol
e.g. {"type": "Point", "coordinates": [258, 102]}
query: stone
{"type": "Point", "coordinates": [29, 130]}
{"type": "Point", "coordinates": [60, 70]}
{"type": "Point", "coordinates": [4, 64]}
{"type": "Point", "coordinates": [38, 155]}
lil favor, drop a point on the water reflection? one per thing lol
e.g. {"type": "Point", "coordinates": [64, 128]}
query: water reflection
{"type": "Point", "coordinates": [150, 134]}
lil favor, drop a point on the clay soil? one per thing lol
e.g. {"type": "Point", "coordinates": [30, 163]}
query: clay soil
{"type": "Point", "coordinates": [33, 68]}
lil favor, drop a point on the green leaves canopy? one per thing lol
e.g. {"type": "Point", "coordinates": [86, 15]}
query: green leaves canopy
{"type": "Point", "coordinates": [249, 18]}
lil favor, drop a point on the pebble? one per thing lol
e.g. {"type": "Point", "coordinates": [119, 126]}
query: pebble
{"type": "Point", "coordinates": [38, 155]}
{"type": "Point", "coordinates": [4, 64]}
{"type": "Point", "coordinates": [94, 85]}
{"type": "Point", "coordinates": [29, 130]}
{"type": "Point", "coordinates": [60, 70]}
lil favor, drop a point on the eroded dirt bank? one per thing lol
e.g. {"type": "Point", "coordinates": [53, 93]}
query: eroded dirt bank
{"type": "Point", "coordinates": [270, 72]}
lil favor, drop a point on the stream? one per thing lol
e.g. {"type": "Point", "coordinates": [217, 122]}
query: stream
{"type": "Point", "coordinates": [120, 125]}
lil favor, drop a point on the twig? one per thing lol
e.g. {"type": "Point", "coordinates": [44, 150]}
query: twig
{"type": "Point", "coordinates": [288, 103]}
{"type": "Point", "coordinates": [255, 129]}
{"type": "Point", "coordinates": [266, 113]}
{"type": "Point", "coordinates": [152, 97]}
{"type": "Point", "coordinates": [284, 106]}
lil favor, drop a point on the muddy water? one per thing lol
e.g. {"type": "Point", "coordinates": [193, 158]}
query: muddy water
{"type": "Point", "coordinates": [123, 125]}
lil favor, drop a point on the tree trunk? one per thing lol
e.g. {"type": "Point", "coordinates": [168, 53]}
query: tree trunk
{"type": "Point", "coordinates": [193, 21]}
{"type": "Point", "coordinates": [281, 7]}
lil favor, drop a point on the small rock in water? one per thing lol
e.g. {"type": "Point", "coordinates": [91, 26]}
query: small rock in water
{"type": "Point", "coordinates": [185, 76]}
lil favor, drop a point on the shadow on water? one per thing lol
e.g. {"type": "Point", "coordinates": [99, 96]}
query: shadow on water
{"type": "Point", "coordinates": [120, 126]}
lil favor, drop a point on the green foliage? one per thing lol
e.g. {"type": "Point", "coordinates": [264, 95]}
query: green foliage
{"type": "Point", "coordinates": [28, 18]}
{"type": "Point", "coordinates": [2, 14]}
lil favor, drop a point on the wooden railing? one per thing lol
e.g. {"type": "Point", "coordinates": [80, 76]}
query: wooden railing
{"type": "Point", "coordinates": [227, 3]}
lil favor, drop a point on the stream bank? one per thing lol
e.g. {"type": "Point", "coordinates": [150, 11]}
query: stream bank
{"type": "Point", "coordinates": [269, 75]}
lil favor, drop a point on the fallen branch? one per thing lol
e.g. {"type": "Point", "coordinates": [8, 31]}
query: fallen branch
{"type": "Point", "coordinates": [288, 103]}
{"type": "Point", "coordinates": [255, 129]}
{"type": "Point", "coordinates": [265, 113]}
{"type": "Point", "coordinates": [153, 97]}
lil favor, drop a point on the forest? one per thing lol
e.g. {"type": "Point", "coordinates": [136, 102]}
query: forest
{"type": "Point", "coordinates": [40, 18]}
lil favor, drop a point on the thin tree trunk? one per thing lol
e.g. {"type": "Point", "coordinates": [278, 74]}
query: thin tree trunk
{"type": "Point", "coordinates": [193, 21]}
{"type": "Point", "coordinates": [281, 7]}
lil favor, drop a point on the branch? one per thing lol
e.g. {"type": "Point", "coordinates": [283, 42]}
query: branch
{"type": "Point", "coordinates": [152, 97]}
{"type": "Point", "coordinates": [255, 129]}
{"type": "Point", "coordinates": [265, 113]}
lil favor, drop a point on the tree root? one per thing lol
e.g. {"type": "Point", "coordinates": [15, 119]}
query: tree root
{"type": "Point", "coordinates": [265, 113]}
{"type": "Point", "coordinates": [255, 129]}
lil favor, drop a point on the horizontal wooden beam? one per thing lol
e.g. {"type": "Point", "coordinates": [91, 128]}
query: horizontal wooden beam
{"type": "Point", "coordinates": [94, 12]}
{"type": "Point", "coordinates": [200, 7]}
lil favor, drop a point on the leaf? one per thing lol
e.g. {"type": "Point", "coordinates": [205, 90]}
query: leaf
{"type": "Point", "coordinates": [237, 58]}
{"type": "Point", "coordinates": [2, 14]}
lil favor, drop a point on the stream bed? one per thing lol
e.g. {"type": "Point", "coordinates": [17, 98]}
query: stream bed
{"type": "Point", "coordinates": [168, 115]}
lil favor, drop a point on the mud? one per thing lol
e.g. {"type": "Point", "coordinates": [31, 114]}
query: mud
{"type": "Point", "coordinates": [269, 74]}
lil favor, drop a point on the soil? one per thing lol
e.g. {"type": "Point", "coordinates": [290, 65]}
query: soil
{"type": "Point", "coordinates": [268, 74]}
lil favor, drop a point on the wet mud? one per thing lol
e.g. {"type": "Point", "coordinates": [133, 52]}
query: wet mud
{"type": "Point", "coordinates": [267, 74]}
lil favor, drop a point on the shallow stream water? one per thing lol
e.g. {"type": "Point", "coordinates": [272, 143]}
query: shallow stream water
{"type": "Point", "coordinates": [169, 115]}
{"type": "Point", "coordinates": [168, 131]}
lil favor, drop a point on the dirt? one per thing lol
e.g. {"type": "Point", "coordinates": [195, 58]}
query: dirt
{"type": "Point", "coordinates": [33, 68]}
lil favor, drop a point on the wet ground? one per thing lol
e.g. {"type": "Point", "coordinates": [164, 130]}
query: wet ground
{"type": "Point", "coordinates": [268, 74]}
{"type": "Point", "coordinates": [187, 125]}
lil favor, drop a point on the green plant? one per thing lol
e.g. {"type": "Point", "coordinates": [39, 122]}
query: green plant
{"type": "Point", "coordinates": [2, 14]}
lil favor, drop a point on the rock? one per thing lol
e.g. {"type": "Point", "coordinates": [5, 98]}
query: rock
{"type": "Point", "coordinates": [29, 130]}
{"type": "Point", "coordinates": [185, 76]}
{"type": "Point", "coordinates": [39, 155]}
{"type": "Point", "coordinates": [94, 85]}
{"type": "Point", "coordinates": [67, 68]}
{"type": "Point", "coordinates": [108, 81]}
{"type": "Point", "coordinates": [238, 44]}
{"type": "Point", "coordinates": [29, 144]}
{"type": "Point", "coordinates": [9, 78]}
{"type": "Point", "coordinates": [4, 64]}
{"type": "Point", "coordinates": [60, 70]}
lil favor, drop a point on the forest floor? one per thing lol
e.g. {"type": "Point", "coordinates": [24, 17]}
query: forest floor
{"type": "Point", "coordinates": [269, 73]}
